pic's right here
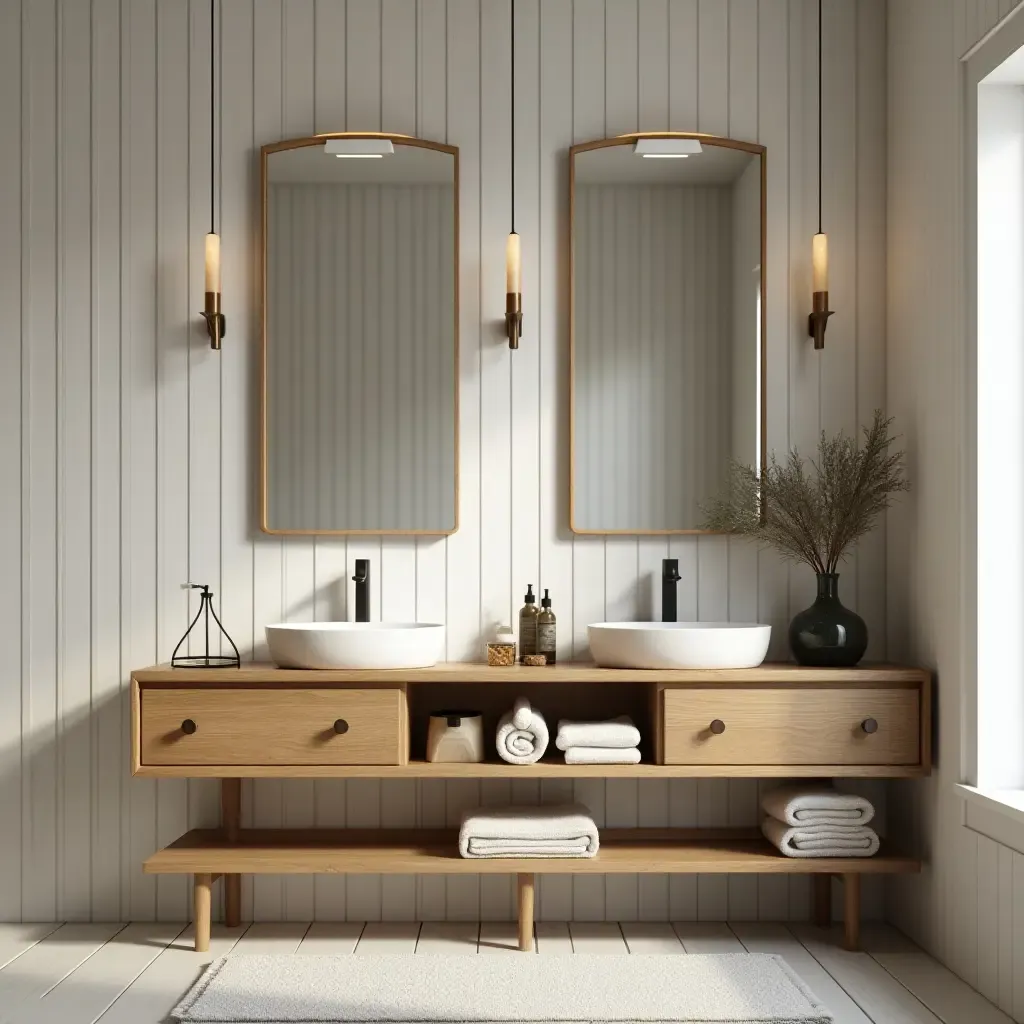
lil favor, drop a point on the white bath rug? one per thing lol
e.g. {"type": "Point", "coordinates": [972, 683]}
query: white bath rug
{"type": "Point", "coordinates": [730, 988]}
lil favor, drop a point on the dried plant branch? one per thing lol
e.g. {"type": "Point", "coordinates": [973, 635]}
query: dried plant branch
{"type": "Point", "coordinates": [817, 517]}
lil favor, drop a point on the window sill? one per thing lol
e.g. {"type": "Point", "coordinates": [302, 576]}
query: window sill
{"type": "Point", "coordinates": [995, 813]}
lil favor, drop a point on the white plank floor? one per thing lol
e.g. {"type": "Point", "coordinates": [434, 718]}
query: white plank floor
{"type": "Point", "coordinates": [134, 974]}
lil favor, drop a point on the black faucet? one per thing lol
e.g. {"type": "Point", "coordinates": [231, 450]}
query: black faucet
{"type": "Point", "coordinates": [362, 582]}
{"type": "Point", "coordinates": [669, 578]}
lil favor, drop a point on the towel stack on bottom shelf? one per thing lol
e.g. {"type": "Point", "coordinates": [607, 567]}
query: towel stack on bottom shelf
{"type": "Point", "coordinates": [613, 742]}
{"type": "Point", "coordinates": [816, 820]}
{"type": "Point", "coordinates": [555, 830]}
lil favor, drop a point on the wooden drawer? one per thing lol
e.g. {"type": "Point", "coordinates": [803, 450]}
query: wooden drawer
{"type": "Point", "coordinates": [273, 726]}
{"type": "Point", "coordinates": [798, 726]}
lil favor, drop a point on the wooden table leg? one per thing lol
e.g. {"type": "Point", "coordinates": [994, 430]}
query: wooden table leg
{"type": "Point", "coordinates": [851, 911]}
{"type": "Point", "coordinates": [201, 914]}
{"type": "Point", "coordinates": [822, 900]}
{"type": "Point", "coordinates": [526, 887]}
{"type": "Point", "coordinates": [230, 819]}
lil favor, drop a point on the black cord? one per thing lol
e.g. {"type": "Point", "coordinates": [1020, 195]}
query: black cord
{"type": "Point", "coordinates": [512, 108]}
{"type": "Point", "coordinates": [213, 187]}
{"type": "Point", "coordinates": [819, 117]}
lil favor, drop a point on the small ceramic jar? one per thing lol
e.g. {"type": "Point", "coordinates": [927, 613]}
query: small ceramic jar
{"type": "Point", "coordinates": [501, 651]}
{"type": "Point", "coordinates": [455, 736]}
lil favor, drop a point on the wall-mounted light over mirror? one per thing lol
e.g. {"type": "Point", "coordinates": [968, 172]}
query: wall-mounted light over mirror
{"type": "Point", "coordinates": [667, 327]}
{"type": "Point", "coordinates": [216, 323]}
{"type": "Point", "coordinates": [360, 336]}
{"type": "Point", "coordinates": [817, 319]}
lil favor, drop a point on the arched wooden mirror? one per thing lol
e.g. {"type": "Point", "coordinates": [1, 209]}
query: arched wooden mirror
{"type": "Point", "coordinates": [360, 255]}
{"type": "Point", "coordinates": [667, 327]}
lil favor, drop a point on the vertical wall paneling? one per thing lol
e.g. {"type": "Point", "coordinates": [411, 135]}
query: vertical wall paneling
{"type": "Point", "coordinates": [39, 450]}
{"type": "Point", "coordinates": [74, 412]}
{"type": "Point", "coordinates": [464, 593]}
{"type": "Point", "coordinates": [135, 444]}
{"type": "Point", "coordinates": [870, 276]}
{"type": "Point", "coordinates": [12, 424]}
{"type": "Point", "coordinates": [107, 767]}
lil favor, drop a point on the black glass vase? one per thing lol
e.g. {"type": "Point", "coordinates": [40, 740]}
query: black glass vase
{"type": "Point", "coordinates": [828, 635]}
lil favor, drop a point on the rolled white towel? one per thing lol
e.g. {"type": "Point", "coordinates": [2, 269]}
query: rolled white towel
{"type": "Point", "coordinates": [820, 840]}
{"type": "Point", "coordinates": [522, 734]}
{"type": "Point", "coordinates": [554, 830]}
{"type": "Point", "coordinates": [816, 803]}
{"type": "Point", "coordinates": [602, 755]}
{"type": "Point", "coordinates": [618, 732]}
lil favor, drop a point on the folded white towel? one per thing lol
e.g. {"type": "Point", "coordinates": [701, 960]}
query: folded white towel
{"type": "Point", "coordinates": [555, 830]}
{"type": "Point", "coordinates": [820, 840]}
{"type": "Point", "coordinates": [816, 803]}
{"type": "Point", "coordinates": [602, 755]}
{"type": "Point", "coordinates": [522, 734]}
{"type": "Point", "coordinates": [618, 732]}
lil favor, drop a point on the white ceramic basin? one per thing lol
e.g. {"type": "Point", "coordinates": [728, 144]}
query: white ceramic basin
{"type": "Point", "coordinates": [356, 644]}
{"type": "Point", "coordinates": [678, 644]}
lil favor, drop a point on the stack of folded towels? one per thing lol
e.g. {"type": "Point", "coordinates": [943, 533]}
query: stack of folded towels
{"type": "Point", "coordinates": [613, 742]}
{"type": "Point", "coordinates": [816, 820]}
{"type": "Point", "coordinates": [555, 830]}
{"type": "Point", "coordinates": [522, 734]}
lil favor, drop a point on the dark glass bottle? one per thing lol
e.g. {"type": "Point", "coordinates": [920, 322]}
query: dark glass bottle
{"type": "Point", "coordinates": [828, 634]}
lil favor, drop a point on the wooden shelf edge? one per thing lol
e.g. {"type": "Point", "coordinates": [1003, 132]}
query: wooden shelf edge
{"type": "Point", "coordinates": [543, 770]}
{"type": "Point", "coordinates": [410, 851]}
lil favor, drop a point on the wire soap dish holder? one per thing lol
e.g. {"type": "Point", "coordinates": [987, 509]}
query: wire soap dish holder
{"type": "Point", "coordinates": [206, 660]}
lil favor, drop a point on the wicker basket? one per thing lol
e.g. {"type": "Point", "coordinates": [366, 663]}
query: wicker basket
{"type": "Point", "coordinates": [501, 655]}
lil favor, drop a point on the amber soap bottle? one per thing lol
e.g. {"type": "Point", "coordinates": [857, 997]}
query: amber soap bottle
{"type": "Point", "coordinates": [546, 638]}
{"type": "Point", "coordinates": [528, 616]}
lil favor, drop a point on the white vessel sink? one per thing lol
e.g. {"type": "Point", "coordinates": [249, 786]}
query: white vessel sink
{"type": "Point", "coordinates": [355, 644]}
{"type": "Point", "coordinates": [678, 644]}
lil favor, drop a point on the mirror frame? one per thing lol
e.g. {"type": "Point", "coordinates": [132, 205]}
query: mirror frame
{"type": "Point", "coordinates": [319, 140]}
{"type": "Point", "coordinates": [628, 140]}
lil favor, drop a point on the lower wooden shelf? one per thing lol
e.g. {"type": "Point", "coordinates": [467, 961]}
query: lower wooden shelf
{"type": "Point", "coordinates": [427, 851]}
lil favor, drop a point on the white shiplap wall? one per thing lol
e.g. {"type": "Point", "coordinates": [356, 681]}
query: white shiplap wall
{"type": "Point", "coordinates": [133, 443]}
{"type": "Point", "coordinates": [967, 908]}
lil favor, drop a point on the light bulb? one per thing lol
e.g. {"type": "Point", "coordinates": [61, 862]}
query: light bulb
{"type": "Point", "coordinates": [819, 263]}
{"type": "Point", "coordinates": [512, 265]}
{"type": "Point", "coordinates": [212, 262]}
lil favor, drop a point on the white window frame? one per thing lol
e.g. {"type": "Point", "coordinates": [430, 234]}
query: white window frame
{"type": "Point", "coordinates": [990, 807]}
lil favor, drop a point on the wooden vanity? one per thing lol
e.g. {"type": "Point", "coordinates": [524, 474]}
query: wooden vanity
{"type": "Point", "coordinates": [772, 721]}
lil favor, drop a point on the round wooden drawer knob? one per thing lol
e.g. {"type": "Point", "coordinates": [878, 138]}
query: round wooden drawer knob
{"type": "Point", "coordinates": [869, 725]}
{"type": "Point", "coordinates": [188, 727]}
{"type": "Point", "coordinates": [718, 727]}
{"type": "Point", "coordinates": [341, 726]}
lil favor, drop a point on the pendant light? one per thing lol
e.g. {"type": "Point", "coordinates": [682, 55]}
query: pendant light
{"type": "Point", "coordinates": [818, 319]}
{"type": "Point", "coordinates": [513, 264]}
{"type": "Point", "coordinates": [211, 313]}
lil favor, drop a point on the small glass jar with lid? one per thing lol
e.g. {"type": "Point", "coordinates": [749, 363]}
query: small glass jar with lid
{"type": "Point", "coordinates": [501, 651]}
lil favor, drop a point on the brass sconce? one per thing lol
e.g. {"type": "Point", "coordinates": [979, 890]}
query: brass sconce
{"type": "Point", "coordinates": [513, 265]}
{"type": "Point", "coordinates": [211, 312]}
{"type": "Point", "coordinates": [818, 318]}
{"type": "Point", "coordinates": [215, 322]}
{"type": "Point", "coordinates": [817, 321]}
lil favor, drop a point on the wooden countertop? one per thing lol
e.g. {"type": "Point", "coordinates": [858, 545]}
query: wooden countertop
{"type": "Point", "coordinates": [573, 672]}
